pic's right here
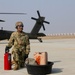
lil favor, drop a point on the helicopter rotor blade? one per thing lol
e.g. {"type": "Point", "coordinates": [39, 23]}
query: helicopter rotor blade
{"type": "Point", "coordinates": [38, 13]}
{"type": "Point", "coordinates": [43, 27]}
{"type": "Point", "coordinates": [34, 18]}
{"type": "Point", "coordinates": [46, 22]}
{"type": "Point", "coordinates": [15, 13]}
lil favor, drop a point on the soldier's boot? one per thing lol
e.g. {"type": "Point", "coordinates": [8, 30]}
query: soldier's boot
{"type": "Point", "coordinates": [22, 65]}
{"type": "Point", "coordinates": [16, 65]}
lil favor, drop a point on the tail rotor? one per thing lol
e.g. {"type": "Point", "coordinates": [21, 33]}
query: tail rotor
{"type": "Point", "coordinates": [40, 20]}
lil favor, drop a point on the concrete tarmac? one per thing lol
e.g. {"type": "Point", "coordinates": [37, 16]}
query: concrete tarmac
{"type": "Point", "coordinates": [60, 51]}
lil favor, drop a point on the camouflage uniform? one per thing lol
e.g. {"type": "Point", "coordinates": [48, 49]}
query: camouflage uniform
{"type": "Point", "coordinates": [21, 46]}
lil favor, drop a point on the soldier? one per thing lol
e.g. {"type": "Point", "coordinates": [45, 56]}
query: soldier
{"type": "Point", "coordinates": [21, 46]}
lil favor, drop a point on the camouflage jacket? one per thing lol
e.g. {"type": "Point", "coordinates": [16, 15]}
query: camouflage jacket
{"type": "Point", "coordinates": [19, 41]}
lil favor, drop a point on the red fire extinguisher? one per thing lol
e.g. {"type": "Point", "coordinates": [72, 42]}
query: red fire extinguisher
{"type": "Point", "coordinates": [7, 61]}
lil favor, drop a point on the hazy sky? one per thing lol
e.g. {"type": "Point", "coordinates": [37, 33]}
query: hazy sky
{"type": "Point", "coordinates": [60, 14]}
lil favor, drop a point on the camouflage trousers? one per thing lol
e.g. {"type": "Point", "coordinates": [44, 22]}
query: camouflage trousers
{"type": "Point", "coordinates": [19, 56]}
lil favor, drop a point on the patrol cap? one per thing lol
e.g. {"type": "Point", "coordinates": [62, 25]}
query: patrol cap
{"type": "Point", "coordinates": [19, 23]}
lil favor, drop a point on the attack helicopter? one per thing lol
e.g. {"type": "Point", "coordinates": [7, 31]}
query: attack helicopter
{"type": "Point", "coordinates": [34, 34]}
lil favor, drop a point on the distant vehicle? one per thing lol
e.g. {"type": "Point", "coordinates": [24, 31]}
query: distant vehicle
{"type": "Point", "coordinates": [34, 34]}
{"type": "Point", "coordinates": [11, 13]}
{"type": "Point", "coordinates": [2, 21]}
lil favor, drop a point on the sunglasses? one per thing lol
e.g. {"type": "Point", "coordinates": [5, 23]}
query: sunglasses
{"type": "Point", "coordinates": [20, 26]}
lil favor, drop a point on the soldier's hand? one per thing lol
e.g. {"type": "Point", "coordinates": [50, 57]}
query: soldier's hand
{"type": "Point", "coordinates": [27, 51]}
{"type": "Point", "coordinates": [7, 49]}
